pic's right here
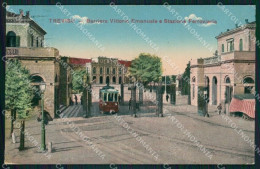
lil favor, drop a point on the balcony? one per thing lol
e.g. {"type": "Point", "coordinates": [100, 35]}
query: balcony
{"type": "Point", "coordinates": [31, 52]}
{"type": "Point", "coordinates": [238, 55]}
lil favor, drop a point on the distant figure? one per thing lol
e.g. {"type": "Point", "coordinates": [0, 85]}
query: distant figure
{"type": "Point", "coordinates": [167, 97]}
{"type": "Point", "coordinates": [130, 102]}
{"type": "Point", "coordinates": [219, 108]}
{"type": "Point", "coordinates": [76, 99]}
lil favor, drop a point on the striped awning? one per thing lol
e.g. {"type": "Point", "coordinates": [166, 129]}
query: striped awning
{"type": "Point", "coordinates": [246, 106]}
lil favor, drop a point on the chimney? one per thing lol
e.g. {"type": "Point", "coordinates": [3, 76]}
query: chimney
{"type": "Point", "coordinates": [27, 14]}
{"type": "Point", "coordinates": [246, 21]}
{"type": "Point", "coordinates": [21, 12]}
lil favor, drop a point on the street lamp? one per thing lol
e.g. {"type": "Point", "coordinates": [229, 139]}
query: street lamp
{"type": "Point", "coordinates": [42, 89]}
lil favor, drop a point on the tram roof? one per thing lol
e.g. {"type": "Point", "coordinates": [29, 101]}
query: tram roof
{"type": "Point", "coordinates": [109, 90]}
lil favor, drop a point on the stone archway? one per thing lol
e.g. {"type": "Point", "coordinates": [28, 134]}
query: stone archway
{"type": "Point", "coordinates": [214, 90]}
{"type": "Point", "coordinates": [36, 80]}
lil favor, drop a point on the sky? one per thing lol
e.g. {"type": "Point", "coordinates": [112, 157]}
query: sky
{"type": "Point", "coordinates": [174, 43]}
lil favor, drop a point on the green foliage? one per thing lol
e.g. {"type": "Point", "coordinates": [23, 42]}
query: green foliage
{"type": "Point", "coordinates": [168, 79]}
{"type": "Point", "coordinates": [186, 81]}
{"type": "Point", "coordinates": [18, 90]}
{"type": "Point", "coordinates": [146, 68]}
{"type": "Point", "coordinates": [77, 80]}
{"type": "Point", "coordinates": [173, 78]}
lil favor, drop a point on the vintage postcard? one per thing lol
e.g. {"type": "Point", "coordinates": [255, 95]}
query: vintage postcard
{"type": "Point", "coordinates": [130, 84]}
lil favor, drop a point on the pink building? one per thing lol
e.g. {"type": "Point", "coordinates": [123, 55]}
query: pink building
{"type": "Point", "coordinates": [230, 71]}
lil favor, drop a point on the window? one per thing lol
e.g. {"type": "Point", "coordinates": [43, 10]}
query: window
{"type": "Point", "coordinates": [248, 85]}
{"type": "Point", "coordinates": [108, 70]}
{"type": "Point", "coordinates": [101, 70]}
{"type": "Point", "coordinates": [241, 45]}
{"type": "Point", "coordinates": [101, 79]}
{"type": "Point", "coordinates": [120, 70]}
{"type": "Point", "coordinates": [231, 46]}
{"type": "Point", "coordinates": [110, 97]}
{"type": "Point", "coordinates": [12, 40]}
{"type": "Point", "coordinates": [114, 79]}
{"type": "Point", "coordinates": [105, 97]}
{"type": "Point", "coordinates": [114, 71]}
{"type": "Point", "coordinates": [227, 80]}
{"type": "Point", "coordinates": [115, 97]}
{"type": "Point", "coordinates": [37, 42]}
{"type": "Point", "coordinates": [120, 80]}
{"type": "Point", "coordinates": [94, 70]}
{"type": "Point", "coordinates": [41, 43]}
{"type": "Point", "coordinates": [223, 48]}
{"type": "Point", "coordinates": [32, 41]}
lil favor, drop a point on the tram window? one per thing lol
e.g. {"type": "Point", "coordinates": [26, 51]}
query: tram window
{"type": "Point", "coordinates": [110, 97]}
{"type": "Point", "coordinates": [105, 96]}
{"type": "Point", "coordinates": [115, 97]}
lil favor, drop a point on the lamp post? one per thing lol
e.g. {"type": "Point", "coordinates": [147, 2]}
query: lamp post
{"type": "Point", "coordinates": [43, 145]}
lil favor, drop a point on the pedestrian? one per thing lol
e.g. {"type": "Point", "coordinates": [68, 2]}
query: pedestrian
{"type": "Point", "coordinates": [219, 108]}
{"type": "Point", "coordinates": [76, 99]}
{"type": "Point", "coordinates": [167, 97]}
{"type": "Point", "coordinates": [130, 102]}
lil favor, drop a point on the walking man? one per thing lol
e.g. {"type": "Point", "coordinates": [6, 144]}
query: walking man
{"type": "Point", "coordinates": [167, 97]}
{"type": "Point", "coordinates": [130, 103]}
{"type": "Point", "coordinates": [219, 108]}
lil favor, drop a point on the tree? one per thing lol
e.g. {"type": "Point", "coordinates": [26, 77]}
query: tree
{"type": "Point", "coordinates": [18, 94]}
{"type": "Point", "coordinates": [77, 83]}
{"type": "Point", "coordinates": [146, 68]}
{"type": "Point", "coordinates": [185, 80]}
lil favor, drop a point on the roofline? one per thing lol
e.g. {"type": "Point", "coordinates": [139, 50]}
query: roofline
{"type": "Point", "coordinates": [249, 25]}
{"type": "Point", "coordinates": [28, 20]}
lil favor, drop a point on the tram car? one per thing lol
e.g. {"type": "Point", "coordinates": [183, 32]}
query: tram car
{"type": "Point", "coordinates": [108, 100]}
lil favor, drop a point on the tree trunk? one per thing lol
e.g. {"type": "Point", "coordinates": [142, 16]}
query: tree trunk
{"type": "Point", "coordinates": [13, 113]}
{"type": "Point", "coordinates": [22, 135]}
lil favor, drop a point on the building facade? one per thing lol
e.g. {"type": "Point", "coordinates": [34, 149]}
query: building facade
{"type": "Point", "coordinates": [230, 71]}
{"type": "Point", "coordinates": [103, 70]}
{"type": "Point", "coordinates": [25, 41]}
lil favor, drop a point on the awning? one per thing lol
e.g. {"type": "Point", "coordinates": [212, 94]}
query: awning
{"type": "Point", "coordinates": [244, 105]}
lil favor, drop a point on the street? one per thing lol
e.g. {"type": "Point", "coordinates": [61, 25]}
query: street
{"type": "Point", "coordinates": [118, 146]}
